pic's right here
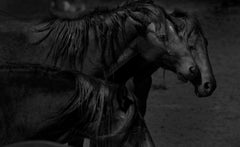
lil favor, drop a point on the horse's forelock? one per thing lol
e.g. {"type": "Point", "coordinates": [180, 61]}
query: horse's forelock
{"type": "Point", "coordinates": [188, 21]}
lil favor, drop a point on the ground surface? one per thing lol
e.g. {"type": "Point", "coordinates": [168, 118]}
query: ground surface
{"type": "Point", "coordinates": [176, 117]}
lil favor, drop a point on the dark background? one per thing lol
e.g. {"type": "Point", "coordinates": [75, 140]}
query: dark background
{"type": "Point", "coordinates": [176, 117]}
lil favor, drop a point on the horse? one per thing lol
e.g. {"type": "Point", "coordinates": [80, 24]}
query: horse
{"type": "Point", "coordinates": [43, 103]}
{"type": "Point", "coordinates": [96, 43]}
{"type": "Point", "coordinates": [188, 29]}
{"type": "Point", "coordinates": [102, 42]}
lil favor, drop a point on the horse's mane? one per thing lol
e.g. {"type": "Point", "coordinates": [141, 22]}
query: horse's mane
{"type": "Point", "coordinates": [70, 36]}
{"type": "Point", "coordinates": [186, 16]}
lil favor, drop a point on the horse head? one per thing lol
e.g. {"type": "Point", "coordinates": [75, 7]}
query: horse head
{"type": "Point", "coordinates": [191, 31]}
{"type": "Point", "coordinates": [163, 46]}
{"type": "Point", "coordinates": [171, 51]}
{"type": "Point", "coordinates": [177, 44]}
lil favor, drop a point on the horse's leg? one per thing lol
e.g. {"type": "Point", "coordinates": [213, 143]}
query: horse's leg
{"type": "Point", "coordinates": [138, 136]}
{"type": "Point", "coordinates": [141, 90]}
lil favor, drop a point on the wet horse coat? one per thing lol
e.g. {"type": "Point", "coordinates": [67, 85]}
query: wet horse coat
{"type": "Point", "coordinates": [96, 42]}
{"type": "Point", "coordinates": [40, 103]}
{"type": "Point", "coordinates": [188, 29]}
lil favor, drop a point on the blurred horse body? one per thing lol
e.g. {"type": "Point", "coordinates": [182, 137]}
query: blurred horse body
{"type": "Point", "coordinates": [100, 42]}
{"type": "Point", "coordinates": [134, 39]}
{"type": "Point", "coordinates": [40, 103]}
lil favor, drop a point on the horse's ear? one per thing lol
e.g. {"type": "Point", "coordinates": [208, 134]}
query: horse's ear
{"type": "Point", "coordinates": [159, 29]}
{"type": "Point", "coordinates": [178, 16]}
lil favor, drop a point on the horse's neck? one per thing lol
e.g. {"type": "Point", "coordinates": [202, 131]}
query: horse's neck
{"type": "Point", "coordinates": [125, 40]}
{"type": "Point", "coordinates": [109, 53]}
{"type": "Point", "coordinates": [128, 52]}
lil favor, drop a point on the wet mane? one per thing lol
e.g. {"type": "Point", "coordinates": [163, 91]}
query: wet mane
{"type": "Point", "coordinates": [185, 16]}
{"type": "Point", "coordinates": [69, 37]}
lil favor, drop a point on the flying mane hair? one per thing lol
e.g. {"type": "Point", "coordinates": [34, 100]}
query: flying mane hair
{"type": "Point", "coordinates": [69, 37]}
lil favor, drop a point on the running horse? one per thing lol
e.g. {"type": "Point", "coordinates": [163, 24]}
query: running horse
{"type": "Point", "coordinates": [101, 43]}
{"type": "Point", "coordinates": [42, 103]}
{"type": "Point", "coordinates": [190, 31]}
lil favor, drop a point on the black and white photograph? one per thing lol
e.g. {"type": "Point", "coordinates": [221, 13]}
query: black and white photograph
{"type": "Point", "coordinates": [119, 73]}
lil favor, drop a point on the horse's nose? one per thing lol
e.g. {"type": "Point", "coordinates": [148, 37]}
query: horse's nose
{"type": "Point", "coordinates": [193, 70]}
{"type": "Point", "coordinates": [209, 86]}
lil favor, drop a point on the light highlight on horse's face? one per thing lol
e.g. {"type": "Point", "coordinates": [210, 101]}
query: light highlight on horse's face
{"type": "Point", "coordinates": [172, 53]}
{"type": "Point", "coordinates": [205, 83]}
{"type": "Point", "coordinates": [179, 54]}
{"type": "Point", "coordinates": [189, 29]}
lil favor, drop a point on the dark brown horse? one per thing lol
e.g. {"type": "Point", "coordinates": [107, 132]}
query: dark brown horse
{"type": "Point", "coordinates": [39, 103]}
{"type": "Point", "coordinates": [189, 31]}
{"type": "Point", "coordinates": [138, 35]}
{"type": "Point", "coordinates": [96, 43]}
{"type": "Point", "coordinates": [100, 42]}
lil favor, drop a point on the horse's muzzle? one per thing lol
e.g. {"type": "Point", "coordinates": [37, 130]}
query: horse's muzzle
{"type": "Point", "coordinates": [206, 88]}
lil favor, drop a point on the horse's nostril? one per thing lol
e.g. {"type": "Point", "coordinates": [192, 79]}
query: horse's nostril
{"type": "Point", "coordinates": [193, 69]}
{"type": "Point", "coordinates": [207, 86]}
